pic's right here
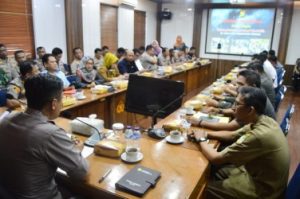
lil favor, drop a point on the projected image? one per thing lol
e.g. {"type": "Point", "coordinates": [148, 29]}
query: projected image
{"type": "Point", "coordinates": [239, 31]}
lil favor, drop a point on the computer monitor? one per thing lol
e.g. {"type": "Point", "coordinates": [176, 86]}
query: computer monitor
{"type": "Point", "coordinates": [152, 96]}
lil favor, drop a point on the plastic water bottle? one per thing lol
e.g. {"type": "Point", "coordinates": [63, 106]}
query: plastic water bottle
{"type": "Point", "coordinates": [136, 136]}
{"type": "Point", "coordinates": [128, 134]}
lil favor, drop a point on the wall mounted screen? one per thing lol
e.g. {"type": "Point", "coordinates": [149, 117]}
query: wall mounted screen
{"type": "Point", "coordinates": [239, 31]}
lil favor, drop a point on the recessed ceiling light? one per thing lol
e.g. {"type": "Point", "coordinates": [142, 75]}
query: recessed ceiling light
{"type": "Point", "coordinates": [189, 9]}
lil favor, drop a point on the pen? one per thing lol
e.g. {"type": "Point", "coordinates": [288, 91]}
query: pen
{"type": "Point", "coordinates": [104, 176]}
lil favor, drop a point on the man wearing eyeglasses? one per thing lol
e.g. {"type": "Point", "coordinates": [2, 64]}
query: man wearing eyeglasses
{"type": "Point", "coordinates": [258, 155]}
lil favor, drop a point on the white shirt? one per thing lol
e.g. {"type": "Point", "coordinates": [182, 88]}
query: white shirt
{"type": "Point", "coordinates": [271, 72]}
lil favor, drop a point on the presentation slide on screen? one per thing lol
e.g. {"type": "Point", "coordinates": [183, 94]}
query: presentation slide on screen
{"type": "Point", "coordinates": [239, 31]}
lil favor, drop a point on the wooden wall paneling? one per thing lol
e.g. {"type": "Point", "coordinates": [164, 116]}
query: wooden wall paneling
{"type": "Point", "coordinates": [109, 26]}
{"type": "Point", "coordinates": [139, 28]}
{"type": "Point", "coordinates": [16, 30]}
{"type": "Point", "coordinates": [117, 108]}
{"type": "Point", "coordinates": [285, 30]}
{"type": "Point", "coordinates": [74, 31]}
{"type": "Point", "coordinates": [197, 27]}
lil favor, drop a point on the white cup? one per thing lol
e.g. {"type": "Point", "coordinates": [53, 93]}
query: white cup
{"type": "Point", "coordinates": [189, 110]}
{"type": "Point", "coordinates": [79, 94]}
{"type": "Point", "coordinates": [132, 153]}
{"type": "Point", "coordinates": [175, 135]}
{"type": "Point", "coordinates": [118, 128]}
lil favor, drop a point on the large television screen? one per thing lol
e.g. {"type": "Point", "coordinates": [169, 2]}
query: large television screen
{"type": "Point", "coordinates": [238, 31]}
{"type": "Point", "coordinates": [147, 95]}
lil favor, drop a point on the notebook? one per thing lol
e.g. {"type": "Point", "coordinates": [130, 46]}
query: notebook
{"type": "Point", "coordinates": [138, 180]}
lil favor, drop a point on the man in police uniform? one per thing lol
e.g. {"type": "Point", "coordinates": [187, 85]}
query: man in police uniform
{"type": "Point", "coordinates": [32, 147]}
{"type": "Point", "coordinates": [15, 89]}
{"type": "Point", "coordinates": [259, 152]}
{"type": "Point", "coordinates": [40, 53]}
{"type": "Point", "coordinates": [5, 65]}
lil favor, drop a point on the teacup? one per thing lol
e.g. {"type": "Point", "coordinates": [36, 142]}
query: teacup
{"type": "Point", "coordinates": [189, 110]}
{"type": "Point", "coordinates": [118, 128]}
{"type": "Point", "coordinates": [132, 153]}
{"type": "Point", "coordinates": [79, 94]}
{"type": "Point", "coordinates": [175, 135]}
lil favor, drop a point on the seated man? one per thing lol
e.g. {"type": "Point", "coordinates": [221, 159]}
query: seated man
{"type": "Point", "coordinates": [32, 147]}
{"type": "Point", "coordinates": [164, 57]}
{"type": "Point", "coordinates": [50, 64]}
{"type": "Point", "coordinates": [77, 62]}
{"type": "Point", "coordinates": [148, 59]}
{"type": "Point", "coordinates": [127, 65]}
{"type": "Point", "coordinates": [121, 53]}
{"type": "Point", "coordinates": [6, 66]}
{"type": "Point", "coordinates": [259, 150]}
{"type": "Point", "coordinates": [58, 53]}
{"type": "Point", "coordinates": [244, 78]}
{"type": "Point", "coordinates": [19, 57]}
{"type": "Point", "coordinates": [98, 59]}
{"type": "Point", "coordinates": [191, 55]}
{"type": "Point", "coordinates": [40, 51]}
{"type": "Point", "coordinates": [15, 89]}
{"type": "Point", "coordinates": [109, 70]}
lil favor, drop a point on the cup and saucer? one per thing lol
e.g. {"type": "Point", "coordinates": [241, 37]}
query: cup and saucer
{"type": "Point", "coordinates": [175, 137]}
{"type": "Point", "coordinates": [79, 95]}
{"type": "Point", "coordinates": [189, 111]}
{"type": "Point", "coordinates": [132, 155]}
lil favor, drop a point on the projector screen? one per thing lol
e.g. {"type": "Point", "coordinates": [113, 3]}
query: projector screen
{"type": "Point", "coordinates": [239, 31]}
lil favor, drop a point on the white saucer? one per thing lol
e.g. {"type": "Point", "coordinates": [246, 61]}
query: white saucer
{"type": "Point", "coordinates": [191, 113]}
{"type": "Point", "coordinates": [139, 157]}
{"type": "Point", "coordinates": [81, 98]}
{"type": "Point", "coordinates": [179, 141]}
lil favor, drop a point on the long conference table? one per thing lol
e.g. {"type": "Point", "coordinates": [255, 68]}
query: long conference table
{"type": "Point", "coordinates": [184, 169]}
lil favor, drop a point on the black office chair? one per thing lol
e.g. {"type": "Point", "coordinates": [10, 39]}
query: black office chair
{"type": "Point", "coordinates": [293, 191]}
{"type": "Point", "coordinates": [285, 123]}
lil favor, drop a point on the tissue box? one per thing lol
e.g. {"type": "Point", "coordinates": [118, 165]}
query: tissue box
{"type": "Point", "coordinates": [83, 125]}
{"type": "Point", "coordinates": [109, 148]}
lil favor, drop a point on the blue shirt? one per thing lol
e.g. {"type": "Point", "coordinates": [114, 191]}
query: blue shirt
{"type": "Point", "coordinates": [61, 76]}
{"type": "Point", "coordinates": [125, 66]}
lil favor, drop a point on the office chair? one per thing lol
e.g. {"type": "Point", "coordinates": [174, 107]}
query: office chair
{"type": "Point", "coordinates": [285, 123]}
{"type": "Point", "coordinates": [293, 191]}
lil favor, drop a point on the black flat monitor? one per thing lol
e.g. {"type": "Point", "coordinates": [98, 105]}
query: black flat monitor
{"type": "Point", "coordinates": [152, 96]}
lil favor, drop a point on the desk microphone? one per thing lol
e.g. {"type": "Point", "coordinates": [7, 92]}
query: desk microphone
{"type": "Point", "coordinates": [159, 133]}
{"type": "Point", "coordinates": [94, 138]}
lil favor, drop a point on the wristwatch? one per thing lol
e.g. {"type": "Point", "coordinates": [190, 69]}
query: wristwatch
{"type": "Point", "coordinates": [202, 139]}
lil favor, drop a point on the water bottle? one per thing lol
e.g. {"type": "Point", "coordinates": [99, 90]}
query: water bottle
{"type": "Point", "coordinates": [136, 136]}
{"type": "Point", "coordinates": [128, 134]}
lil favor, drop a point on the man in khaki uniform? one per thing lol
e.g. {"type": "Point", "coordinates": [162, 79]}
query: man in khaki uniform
{"type": "Point", "coordinates": [98, 59]}
{"type": "Point", "coordinates": [259, 151]}
{"type": "Point", "coordinates": [15, 89]}
{"type": "Point", "coordinates": [5, 65]}
{"type": "Point", "coordinates": [77, 62]}
{"type": "Point", "coordinates": [40, 52]}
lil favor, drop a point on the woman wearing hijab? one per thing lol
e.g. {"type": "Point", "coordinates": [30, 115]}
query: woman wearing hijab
{"type": "Point", "coordinates": [179, 44]}
{"type": "Point", "coordinates": [157, 48]}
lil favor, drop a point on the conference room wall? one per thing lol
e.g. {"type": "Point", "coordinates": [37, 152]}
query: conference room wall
{"type": "Point", "coordinates": [181, 24]}
{"type": "Point", "coordinates": [49, 25]}
{"type": "Point", "coordinates": [92, 29]}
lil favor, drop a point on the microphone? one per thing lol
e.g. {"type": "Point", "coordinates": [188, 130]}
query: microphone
{"type": "Point", "coordinates": [158, 133]}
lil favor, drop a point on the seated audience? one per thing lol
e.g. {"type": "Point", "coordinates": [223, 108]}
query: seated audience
{"type": "Point", "coordinates": [109, 69]}
{"type": "Point", "coordinates": [40, 51]}
{"type": "Point", "coordinates": [148, 59]}
{"type": "Point", "coordinates": [10, 71]}
{"type": "Point", "coordinates": [50, 64]}
{"type": "Point", "coordinates": [156, 47]}
{"type": "Point", "coordinates": [127, 65]}
{"type": "Point", "coordinates": [137, 61]}
{"type": "Point", "coordinates": [77, 62]}
{"type": "Point", "coordinates": [87, 74]}
{"type": "Point", "coordinates": [98, 58]}
{"type": "Point", "coordinates": [58, 53]}
{"type": "Point", "coordinates": [172, 56]}
{"type": "Point", "coordinates": [164, 57]}
{"type": "Point", "coordinates": [256, 164]}
{"type": "Point", "coordinates": [121, 53]}
{"type": "Point", "coordinates": [244, 78]}
{"type": "Point", "coordinates": [15, 89]}
{"type": "Point", "coordinates": [137, 53]}
{"type": "Point", "coordinates": [181, 56]}
{"type": "Point", "coordinates": [296, 76]}
{"type": "Point", "coordinates": [39, 147]}
{"type": "Point", "coordinates": [179, 44]}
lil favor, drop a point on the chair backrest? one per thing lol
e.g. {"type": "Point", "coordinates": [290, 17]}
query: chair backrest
{"type": "Point", "coordinates": [285, 123]}
{"type": "Point", "coordinates": [293, 188]}
{"type": "Point", "coordinates": [2, 97]}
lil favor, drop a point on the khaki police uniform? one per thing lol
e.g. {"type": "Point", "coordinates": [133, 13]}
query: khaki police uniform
{"type": "Point", "coordinates": [15, 89]}
{"type": "Point", "coordinates": [98, 62]}
{"type": "Point", "coordinates": [261, 157]}
{"type": "Point", "coordinates": [75, 65]}
{"type": "Point", "coordinates": [40, 65]}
